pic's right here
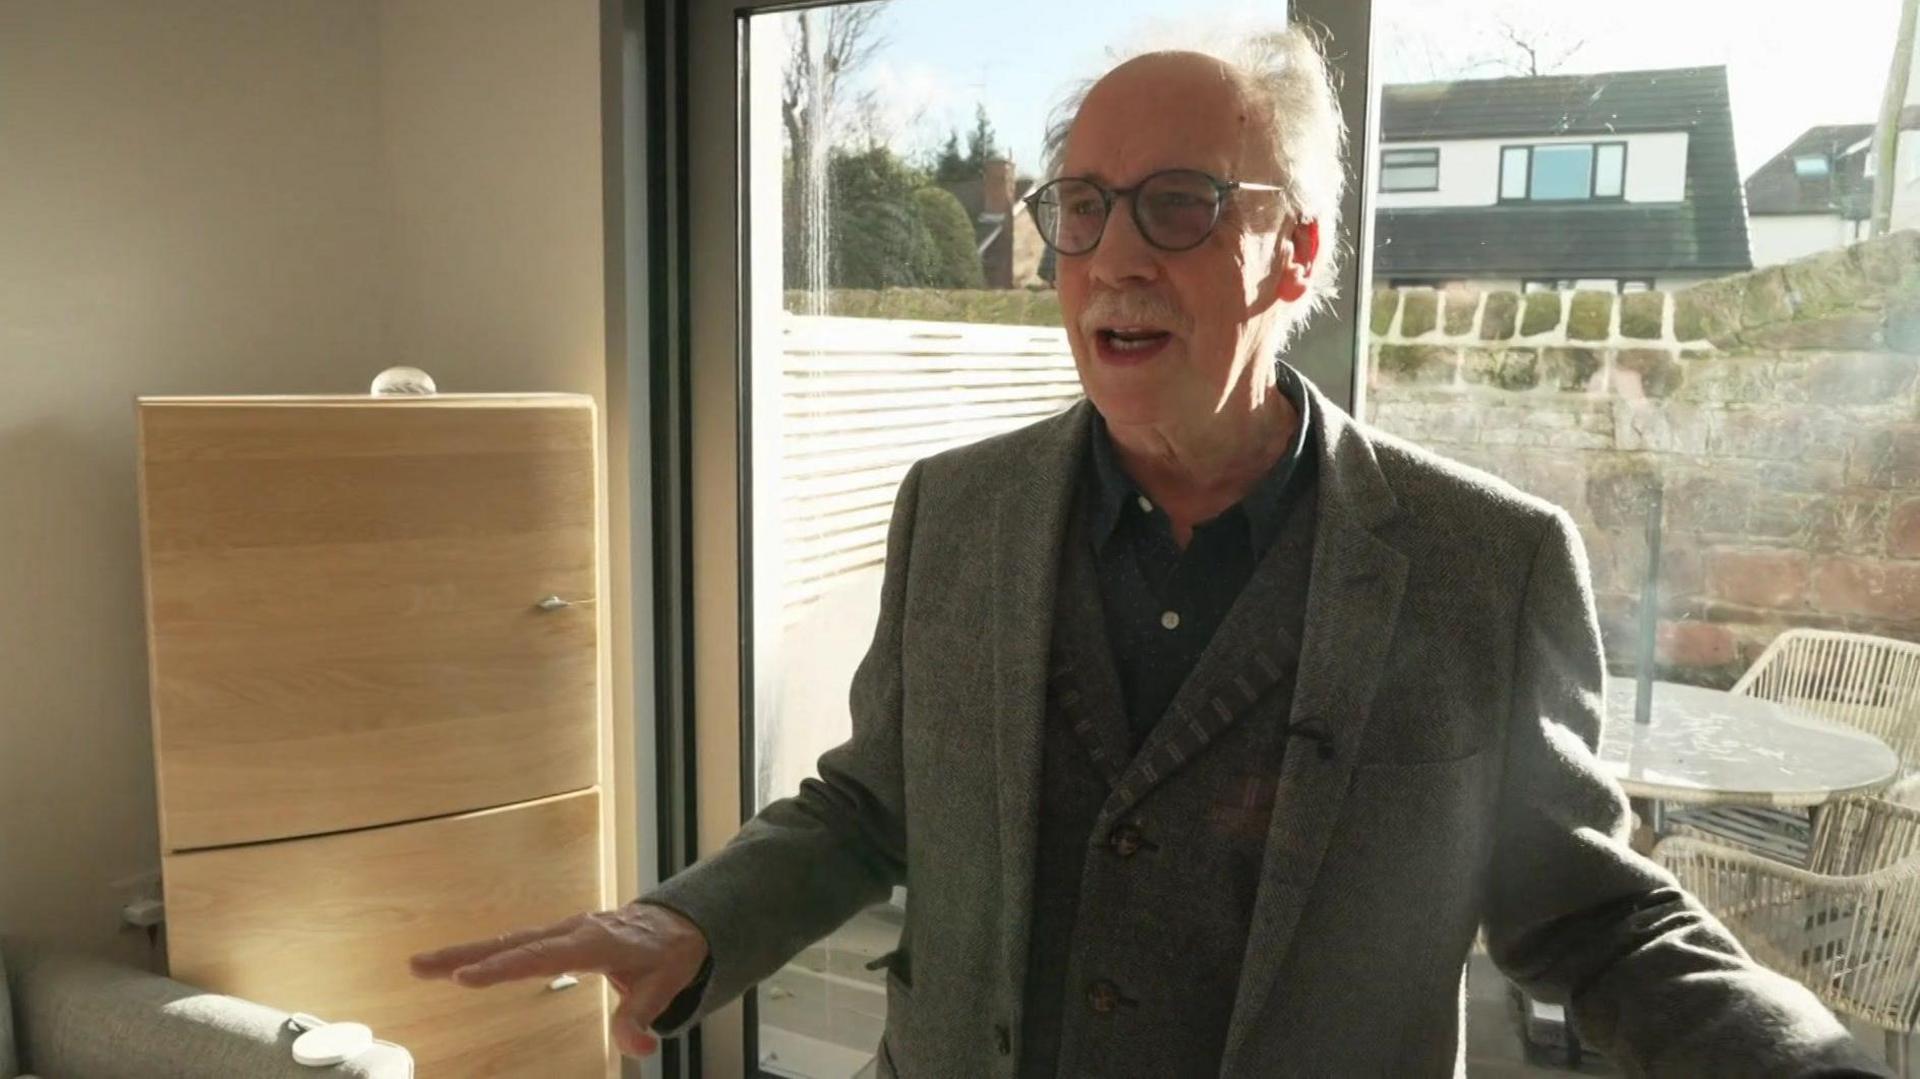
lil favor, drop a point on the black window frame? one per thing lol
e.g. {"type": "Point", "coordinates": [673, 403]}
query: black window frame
{"type": "Point", "coordinates": [1549, 284]}
{"type": "Point", "coordinates": [1572, 284]}
{"type": "Point", "coordinates": [1593, 173]}
{"type": "Point", "coordinates": [1434, 164]}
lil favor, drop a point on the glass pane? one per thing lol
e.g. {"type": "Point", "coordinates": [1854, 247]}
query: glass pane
{"type": "Point", "coordinates": [1610, 171]}
{"type": "Point", "coordinates": [1811, 166]}
{"type": "Point", "coordinates": [901, 304]}
{"type": "Point", "coordinates": [1561, 172]}
{"type": "Point", "coordinates": [1420, 178]}
{"type": "Point", "coordinates": [1513, 173]}
{"type": "Point", "coordinates": [1728, 491]}
{"type": "Point", "coordinates": [1410, 157]}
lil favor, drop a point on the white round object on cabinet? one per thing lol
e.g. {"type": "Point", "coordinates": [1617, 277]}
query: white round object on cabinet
{"type": "Point", "coordinates": [403, 382]}
{"type": "Point", "coordinates": [333, 1043]}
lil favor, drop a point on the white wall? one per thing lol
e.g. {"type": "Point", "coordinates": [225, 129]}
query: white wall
{"type": "Point", "coordinates": [1470, 169]}
{"type": "Point", "coordinates": [1906, 197]}
{"type": "Point", "coordinates": [228, 196]}
{"type": "Point", "coordinates": [1781, 238]}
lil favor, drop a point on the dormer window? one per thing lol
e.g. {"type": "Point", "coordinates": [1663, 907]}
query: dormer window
{"type": "Point", "coordinates": [1563, 172]}
{"type": "Point", "coordinates": [1812, 166]}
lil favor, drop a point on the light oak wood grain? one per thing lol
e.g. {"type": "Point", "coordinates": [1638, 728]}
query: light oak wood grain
{"type": "Point", "coordinates": [325, 925]}
{"type": "Point", "coordinates": [341, 609]}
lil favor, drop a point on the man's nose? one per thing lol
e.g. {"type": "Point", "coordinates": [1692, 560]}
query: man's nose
{"type": "Point", "coordinates": [1123, 256]}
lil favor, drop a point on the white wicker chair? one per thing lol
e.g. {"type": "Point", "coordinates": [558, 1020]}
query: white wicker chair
{"type": "Point", "coordinates": [1906, 792]}
{"type": "Point", "coordinates": [1869, 683]}
{"type": "Point", "coordinates": [1847, 926]}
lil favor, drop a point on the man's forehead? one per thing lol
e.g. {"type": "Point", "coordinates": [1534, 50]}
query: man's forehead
{"type": "Point", "coordinates": [1162, 110]}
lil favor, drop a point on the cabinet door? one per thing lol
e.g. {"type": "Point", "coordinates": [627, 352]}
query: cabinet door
{"type": "Point", "coordinates": [344, 609]}
{"type": "Point", "coordinates": [325, 925]}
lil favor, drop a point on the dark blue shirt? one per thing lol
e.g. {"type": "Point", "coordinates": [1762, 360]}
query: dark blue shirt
{"type": "Point", "coordinates": [1162, 603]}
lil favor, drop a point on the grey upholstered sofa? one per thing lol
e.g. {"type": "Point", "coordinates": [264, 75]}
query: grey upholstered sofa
{"type": "Point", "coordinates": [67, 1017]}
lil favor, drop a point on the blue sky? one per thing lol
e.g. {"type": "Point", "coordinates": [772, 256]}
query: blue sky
{"type": "Point", "coordinates": [1789, 68]}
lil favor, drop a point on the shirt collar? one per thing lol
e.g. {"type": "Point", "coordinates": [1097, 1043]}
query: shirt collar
{"type": "Point", "coordinates": [1265, 506]}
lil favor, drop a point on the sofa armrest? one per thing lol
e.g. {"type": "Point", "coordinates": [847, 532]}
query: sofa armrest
{"type": "Point", "coordinates": [79, 1016]}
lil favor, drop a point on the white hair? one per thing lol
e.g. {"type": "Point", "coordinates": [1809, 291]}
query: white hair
{"type": "Point", "coordinates": [1284, 75]}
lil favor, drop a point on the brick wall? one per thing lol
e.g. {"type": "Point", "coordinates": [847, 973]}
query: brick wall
{"type": "Point", "coordinates": [1778, 409]}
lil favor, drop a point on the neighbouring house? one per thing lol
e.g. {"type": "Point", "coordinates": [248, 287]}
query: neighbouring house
{"type": "Point", "coordinates": [1622, 180]}
{"type": "Point", "coordinates": [1009, 243]}
{"type": "Point", "coordinates": [1817, 194]}
{"type": "Point", "coordinates": [1813, 196]}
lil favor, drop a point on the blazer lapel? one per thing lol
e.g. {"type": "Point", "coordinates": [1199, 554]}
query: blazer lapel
{"type": "Point", "coordinates": [1353, 600]}
{"type": "Point", "coordinates": [1030, 522]}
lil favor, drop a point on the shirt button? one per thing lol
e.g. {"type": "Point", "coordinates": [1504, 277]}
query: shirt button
{"type": "Point", "coordinates": [1170, 620]}
{"type": "Point", "coordinates": [1126, 841]}
{"type": "Point", "coordinates": [1146, 505]}
{"type": "Point", "coordinates": [1103, 996]}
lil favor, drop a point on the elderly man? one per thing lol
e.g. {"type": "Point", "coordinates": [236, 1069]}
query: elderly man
{"type": "Point", "coordinates": [1204, 725]}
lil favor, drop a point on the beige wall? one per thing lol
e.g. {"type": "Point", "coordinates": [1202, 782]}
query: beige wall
{"type": "Point", "coordinates": [491, 131]}
{"type": "Point", "coordinates": [225, 196]}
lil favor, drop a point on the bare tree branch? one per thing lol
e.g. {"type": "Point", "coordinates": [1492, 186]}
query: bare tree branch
{"type": "Point", "coordinates": [829, 48]}
{"type": "Point", "coordinates": [1534, 43]}
{"type": "Point", "coordinates": [1524, 44]}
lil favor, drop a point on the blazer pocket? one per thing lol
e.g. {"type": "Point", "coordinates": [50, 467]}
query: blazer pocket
{"type": "Point", "coordinates": [1415, 802]}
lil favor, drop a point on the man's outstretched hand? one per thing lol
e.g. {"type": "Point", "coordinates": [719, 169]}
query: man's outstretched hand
{"type": "Point", "coordinates": [648, 952]}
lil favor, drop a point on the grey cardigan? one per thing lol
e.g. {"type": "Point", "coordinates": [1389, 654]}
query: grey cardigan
{"type": "Point", "coordinates": [1452, 654]}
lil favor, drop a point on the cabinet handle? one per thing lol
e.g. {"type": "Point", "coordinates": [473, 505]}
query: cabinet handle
{"type": "Point", "coordinates": [555, 603]}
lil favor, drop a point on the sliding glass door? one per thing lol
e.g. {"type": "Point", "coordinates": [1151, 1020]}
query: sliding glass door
{"type": "Point", "coordinates": [865, 289]}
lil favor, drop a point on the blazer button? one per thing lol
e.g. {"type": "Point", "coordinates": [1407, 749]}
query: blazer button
{"type": "Point", "coordinates": [1103, 996]}
{"type": "Point", "coordinates": [1125, 841]}
{"type": "Point", "coordinates": [1002, 1040]}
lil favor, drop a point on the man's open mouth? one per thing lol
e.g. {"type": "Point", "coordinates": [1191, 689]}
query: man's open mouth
{"type": "Point", "coordinates": [1132, 338]}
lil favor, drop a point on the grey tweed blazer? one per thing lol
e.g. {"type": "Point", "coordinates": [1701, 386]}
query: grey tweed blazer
{"type": "Point", "coordinates": [1452, 654]}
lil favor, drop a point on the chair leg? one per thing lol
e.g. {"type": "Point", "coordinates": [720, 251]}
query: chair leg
{"type": "Point", "coordinates": [1899, 1054]}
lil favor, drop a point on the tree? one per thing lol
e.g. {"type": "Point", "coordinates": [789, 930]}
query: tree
{"type": "Point", "coordinates": [950, 164]}
{"type": "Point", "coordinates": [980, 146]}
{"type": "Point", "coordinates": [1543, 55]}
{"type": "Point", "coordinates": [876, 236]}
{"type": "Point", "coordinates": [1886, 136]}
{"type": "Point", "coordinates": [827, 48]}
{"type": "Point", "coordinates": [956, 261]}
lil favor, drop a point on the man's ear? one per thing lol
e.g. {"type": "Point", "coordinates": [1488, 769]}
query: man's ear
{"type": "Point", "coordinates": [1299, 250]}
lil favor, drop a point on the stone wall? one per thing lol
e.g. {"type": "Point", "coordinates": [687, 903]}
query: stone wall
{"type": "Point", "coordinates": [1778, 409]}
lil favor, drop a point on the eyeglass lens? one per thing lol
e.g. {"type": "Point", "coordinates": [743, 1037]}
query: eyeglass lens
{"type": "Point", "coordinates": [1174, 210]}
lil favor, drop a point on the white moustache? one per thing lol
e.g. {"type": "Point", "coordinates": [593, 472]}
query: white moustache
{"type": "Point", "coordinates": [1132, 309]}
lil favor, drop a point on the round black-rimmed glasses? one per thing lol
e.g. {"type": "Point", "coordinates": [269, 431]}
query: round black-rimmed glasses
{"type": "Point", "coordinates": [1175, 209]}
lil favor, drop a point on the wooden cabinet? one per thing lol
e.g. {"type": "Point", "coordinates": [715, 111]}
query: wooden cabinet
{"type": "Point", "coordinates": [325, 925]}
{"type": "Point", "coordinates": [374, 667]}
{"type": "Point", "coordinates": [344, 593]}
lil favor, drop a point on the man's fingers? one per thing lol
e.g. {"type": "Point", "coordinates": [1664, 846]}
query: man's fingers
{"type": "Point", "coordinates": [633, 1018]}
{"type": "Point", "coordinates": [587, 948]}
{"type": "Point", "coordinates": [442, 963]}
